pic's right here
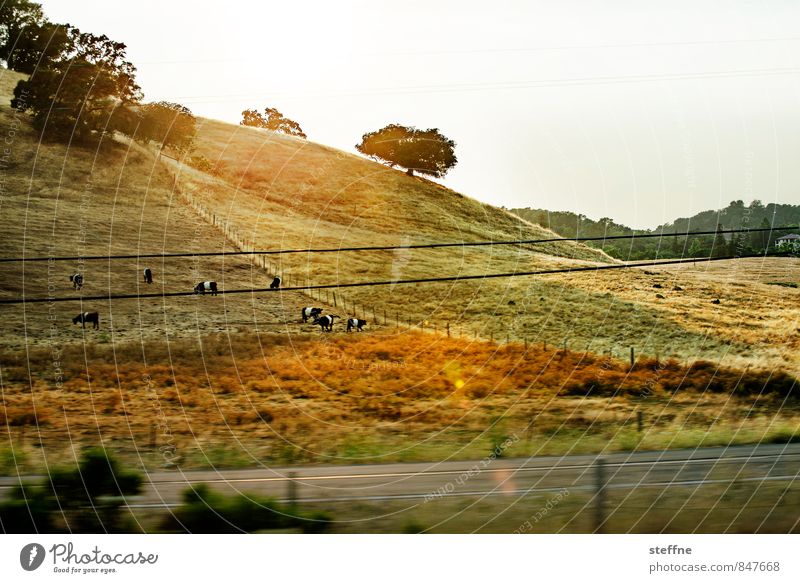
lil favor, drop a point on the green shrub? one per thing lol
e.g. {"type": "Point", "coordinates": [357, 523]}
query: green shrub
{"type": "Point", "coordinates": [207, 512]}
{"type": "Point", "coordinates": [85, 499]}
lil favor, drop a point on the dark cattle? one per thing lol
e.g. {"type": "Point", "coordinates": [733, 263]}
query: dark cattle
{"type": "Point", "coordinates": [326, 322]}
{"type": "Point", "coordinates": [206, 287]}
{"type": "Point", "coordinates": [310, 312]}
{"type": "Point", "coordinates": [148, 275]}
{"type": "Point", "coordinates": [77, 280]}
{"type": "Point", "coordinates": [356, 323]}
{"type": "Point", "coordinates": [91, 317]}
{"type": "Point", "coordinates": [276, 283]}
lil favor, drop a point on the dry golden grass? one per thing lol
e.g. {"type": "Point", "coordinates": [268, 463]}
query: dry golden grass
{"type": "Point", "coordinates": [238, 379]}
{"type": "Point", "coordinates": [282, 192]}
{"type": "Point", "coordinates": [241, 399]}
{"type": "Point", "coordinates": [68, 201]}
{"type": "Point", "coordinates": [754, 323]}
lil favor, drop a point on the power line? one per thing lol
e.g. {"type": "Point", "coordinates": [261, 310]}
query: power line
{"type": "Point", "coordinates": [386, 247]}
{"type": "Point", "coordinates": [384, 282]}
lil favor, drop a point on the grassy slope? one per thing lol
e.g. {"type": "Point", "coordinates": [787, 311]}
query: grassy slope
{"type": "Point", "coordinates": [208, 399]}
{"type": "Point", "coordinates": [65, 201]}
{"type": "Point", "coordinates": [285, 192]}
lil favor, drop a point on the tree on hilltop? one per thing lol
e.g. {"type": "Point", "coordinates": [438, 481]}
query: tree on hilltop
{"type": "Point", "coordinates": [15, 17]}
{"type": "Point", "coordinates": [35, 45]}
{"type": "Point", "coordinates": [170, 124]}
{"type": "Point", "coordinates": [272, 120]}
{"type": "Point", "coordinates": [424, 151]}
{"type": "Point", "coordinates": [79, 95]}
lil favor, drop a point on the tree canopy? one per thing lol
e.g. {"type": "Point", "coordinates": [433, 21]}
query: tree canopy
{"type": "Point", "coordinates": [273, 120]}
{"type": "Point", "coordinates": [81, 85]}
{"type": "Point", "coordinates": [171, 124]}
{"type": "Point", "coordinates": [16, 18]}
{"type": "Point", "coordinates": [77, 95]}
{"type": "Point", "coordinates": [424, 151]}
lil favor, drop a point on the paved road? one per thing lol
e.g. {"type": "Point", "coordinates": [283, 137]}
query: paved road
{"type": "Point", "coordinates": [482, 477]}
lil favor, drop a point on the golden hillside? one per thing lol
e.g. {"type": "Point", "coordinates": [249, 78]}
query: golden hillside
{"type": "Point", "coordinates": [71, 201]}
{"type": "Point", "coordinates": [283, 192]}
{"type": "Point", "coordinates": [280, 192]}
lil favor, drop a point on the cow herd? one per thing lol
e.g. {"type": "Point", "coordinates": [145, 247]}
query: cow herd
{"type": "Point", "coordinates": [325, 322]}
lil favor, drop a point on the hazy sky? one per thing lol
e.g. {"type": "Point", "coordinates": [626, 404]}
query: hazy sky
{"type": "Point", "coordinates": [641, 111]}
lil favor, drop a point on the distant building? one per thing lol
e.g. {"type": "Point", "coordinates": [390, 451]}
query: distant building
{"type": "Point", "coordinates": [788, 243]}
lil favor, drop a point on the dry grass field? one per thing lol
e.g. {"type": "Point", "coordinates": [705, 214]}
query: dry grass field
{"type": "Point", "coordinates": [237, 380]}
{"type": "Point", "coordinates": [70, 201]}
{"type": "Point", "coordinates": [237, 400]}
{"type": "Point", "coordinates": [283, 192]}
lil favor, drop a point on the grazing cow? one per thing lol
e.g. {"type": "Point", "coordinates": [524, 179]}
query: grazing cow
{"type": "Point", "coordinates": [325, 322]}
{"type": "Point", "coordinates": [206, 286]}
{"type": "Point", "coordinates": [148, 275]}
{"type": "Point", "coordinates": [310, 312]}
{"type": "Point", "coordinates": [356, 323]}
{"type": "Point", "coordinates": [276, 283]}
{"type": "Point", "coordinates": [77, 280]}
{"type": "Point", "coordinates": [91, 317]}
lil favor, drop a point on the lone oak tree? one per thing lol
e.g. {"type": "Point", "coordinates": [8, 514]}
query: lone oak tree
{"type": "Point", "coordinates": [171, 124]}
{"type": "Point", "coordinates": [424, 151]}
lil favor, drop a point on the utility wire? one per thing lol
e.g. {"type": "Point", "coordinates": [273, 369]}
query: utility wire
{"type": "Point", "coordinates": [386, 247]}
{"type": "Point", "coordinates": [384, 282]}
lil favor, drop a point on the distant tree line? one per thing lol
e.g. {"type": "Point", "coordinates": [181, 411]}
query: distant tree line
{"type": "Point", "coordinates": [736, 215]}
{"type": "Point", "coordinates": [81, 87]}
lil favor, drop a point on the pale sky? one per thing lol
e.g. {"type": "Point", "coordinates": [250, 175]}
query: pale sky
{"type": "Point", "coordinates": [640, 111]}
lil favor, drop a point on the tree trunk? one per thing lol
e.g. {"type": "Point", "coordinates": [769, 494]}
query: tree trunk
{"type": "Point", "coordinates": [410, 172]}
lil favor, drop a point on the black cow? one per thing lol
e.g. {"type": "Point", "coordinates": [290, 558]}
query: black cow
{"type": "Point", "coordinates": [148, 275]}
{"type": "Point", "coordinates": [206, 286]}
{"type": "Point", "coordinates": [356, 323]}
{"type": "Point", "coordinates": [325, 322]}
{"type": "Point", "coordinates": [276, 283]}
{"type": "Point", "coordinates": [91, 317]}
{"type": "Point", "coordinates": [310, 312]}
{"type": "Point", "coordinates": [77, 280]}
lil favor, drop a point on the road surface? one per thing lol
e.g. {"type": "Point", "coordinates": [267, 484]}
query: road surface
{"type": "Point", "coordinates": [479, 478]}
